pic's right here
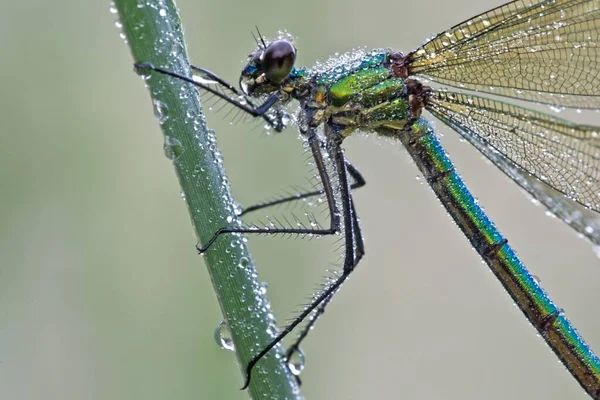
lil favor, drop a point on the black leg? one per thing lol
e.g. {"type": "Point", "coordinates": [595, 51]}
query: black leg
{"type": "Point", "coordinates": [350, 259]}
{"type": "Point", "coordinates": [359, 182]}
{"type": "Point", "coordinates": [266, 231]}
{"type": "Point", "coordinates": [359, 253]}
{"type": "Point", "coordinates": [246, 106]}
{"type": "Point", "coordinates": [256, 111]}
{"type": "Point", "coordinates": [214, 77]}
{"type": "Point", "coordinates": [315, 145]}
{"type": "Point", "coordinates": [354, 247]}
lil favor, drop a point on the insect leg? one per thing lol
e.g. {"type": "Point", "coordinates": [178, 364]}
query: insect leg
{"type": "Point", "coordinates": [359, 182]}
{"type": "Point", "coordinates": [336, 153]}
{"type": "Point", "coordinates": [359, 253]}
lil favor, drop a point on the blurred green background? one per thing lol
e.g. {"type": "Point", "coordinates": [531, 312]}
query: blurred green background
{"type": "Point", "coordinates": [102, 295]}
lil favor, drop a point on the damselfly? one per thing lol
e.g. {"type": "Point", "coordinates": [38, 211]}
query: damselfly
{"type": "Point", "coordinates": [542, 52]}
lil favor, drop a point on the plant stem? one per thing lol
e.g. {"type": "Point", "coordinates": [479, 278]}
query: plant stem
{"type": "Point", "coordinates": [153, 31]}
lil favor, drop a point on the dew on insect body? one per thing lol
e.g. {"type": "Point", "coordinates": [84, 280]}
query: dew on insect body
{"type": "Point", "coordinates": [223, 336]}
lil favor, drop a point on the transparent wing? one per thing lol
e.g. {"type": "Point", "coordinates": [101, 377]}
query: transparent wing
{"type": "Point", "coordinates": [584, 221]}
{"type": "Point", "coordinates": [562, 155]}
{"type": "Point", "coordinates": [542, 51]}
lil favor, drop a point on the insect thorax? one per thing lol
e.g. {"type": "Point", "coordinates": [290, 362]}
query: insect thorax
{"type": "Point", "coordinates": [353, 93]}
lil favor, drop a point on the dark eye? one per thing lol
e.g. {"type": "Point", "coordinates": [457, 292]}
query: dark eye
{"type": "Point", "coordinates": [278, 60]}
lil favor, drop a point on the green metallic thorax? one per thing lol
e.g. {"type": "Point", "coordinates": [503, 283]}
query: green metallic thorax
{"type": "Point", "coordinates": [364, 95]}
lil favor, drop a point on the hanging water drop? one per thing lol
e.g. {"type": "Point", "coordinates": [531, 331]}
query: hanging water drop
{"type": "Point", "coordinates": [296, 361]}
{"type": "Point", "coordinates": [160, 111]}
{"type": "Point", "coordinates": [223, 336]}
{"type": "Point", "coordinates": [172, 147]}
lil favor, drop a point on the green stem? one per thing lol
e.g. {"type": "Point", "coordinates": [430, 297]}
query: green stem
{"type": "Point", "coordinates": [153, 31]}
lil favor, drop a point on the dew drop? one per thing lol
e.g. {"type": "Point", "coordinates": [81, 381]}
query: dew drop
{"type": "Point", "coordinates": [162, 12]}
{"type": "Point", "coordinates": [160, 111]}
{"type": "Point", "coordinates": [172, 147]}
{"type": "Point", "coordinates": [296, 361]}
{"type": "Point", "coordinates": [112, 8]}
{"type": "Point", "coordinates": [263, 288]}
{"type": "Point", "coordinates": [597, 251]}
{"type": "Point", "coordinates": [176, 49]}
{"type": "Point", "coordinates": [223, 336]}
{"type": "Point", "coordinates": [244, 262]}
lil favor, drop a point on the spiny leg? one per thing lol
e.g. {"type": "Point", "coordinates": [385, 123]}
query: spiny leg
{"type": "Point", "coordinates": [216, 78]}
{"type": "Point", "coordinates": [267, 231]}
{"type": "Point", "coordinates": [359, 253]}
{"type": "Point", "coordinates": [335, 151]}
{"type": "Point", "coordinates": [350, 258]}
{"type": "Point", "coordinates": [231, 95]}
{"type": "Point", "coordinates": [226, 92]}
{"type": "Point", "coordinates": [315, 145]}
{"type": "Point", "coordinates": [359, 182]}
{"type": "Point", "coordinates": [256, 111]}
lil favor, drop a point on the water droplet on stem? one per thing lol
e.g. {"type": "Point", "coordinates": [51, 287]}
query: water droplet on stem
{"type": "Point", "coordinates": [296, 361]}
{"type": "Point", "coordinates": [223, 336]}
{"type": "Point", "coordinates": [172, 147]}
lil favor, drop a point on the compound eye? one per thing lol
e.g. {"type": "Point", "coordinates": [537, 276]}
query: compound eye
{"type": "Point", "coordinates": [278, 60]}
